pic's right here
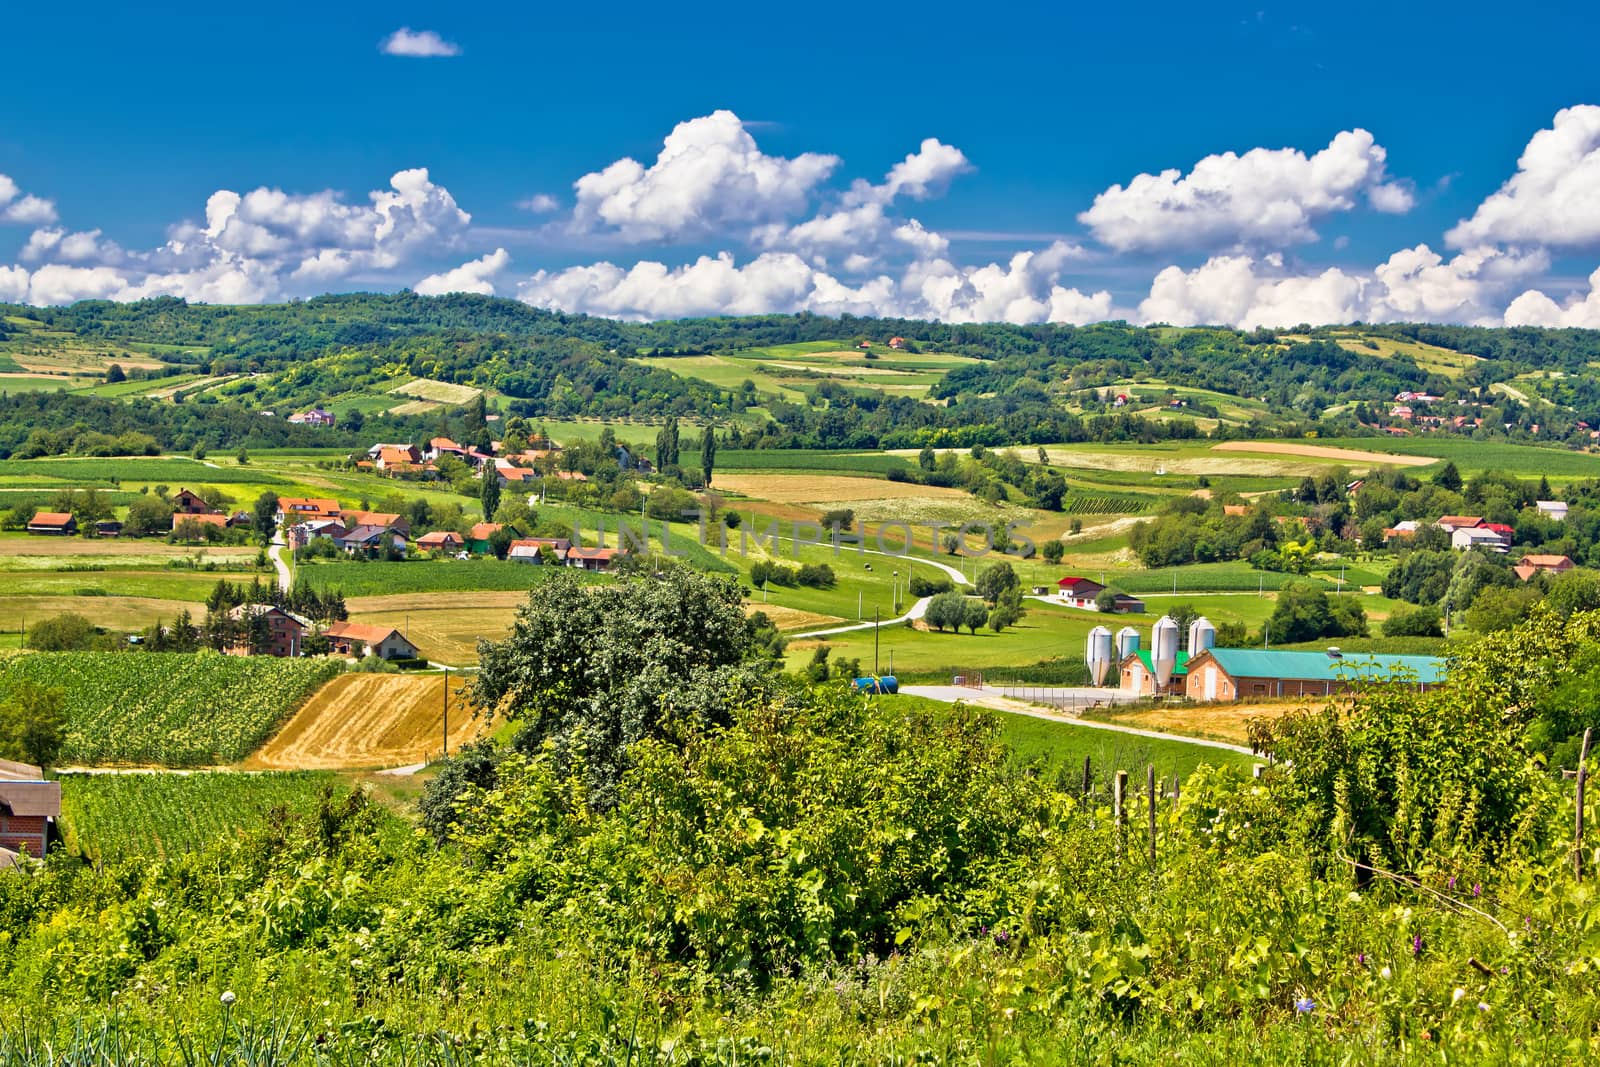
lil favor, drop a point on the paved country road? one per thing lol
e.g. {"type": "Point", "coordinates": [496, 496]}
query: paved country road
{"type": "Point", "coordinates": [285, 578]}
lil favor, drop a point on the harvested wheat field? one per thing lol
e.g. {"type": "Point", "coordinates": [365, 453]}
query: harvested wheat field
{"type": "Point", "coordinates": [370, 720]}
{"type": "Point", "coordinates": [1215, 722]}
{"type": "Point", "coordinates": [446, 626]}
{"type": "Point", "coordinates": [831, 488]}
{"type": "Point", "coordinates": [786, 619]}
{"type": "Point", "coordinates": [1343, 455]}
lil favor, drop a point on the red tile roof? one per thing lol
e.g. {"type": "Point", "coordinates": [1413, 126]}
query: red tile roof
{"type": "Point", "coordinates": [51, 518]}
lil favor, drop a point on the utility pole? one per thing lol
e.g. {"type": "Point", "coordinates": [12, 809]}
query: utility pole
{"type": "Point", "coordinates": [446, 711]}
{"type": "Point", "coordinates": [875, 643]}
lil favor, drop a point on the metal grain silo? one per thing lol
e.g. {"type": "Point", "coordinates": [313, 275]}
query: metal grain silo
{"type": "Point", "coordinates": [1098, 654]}
{"type": "Point", "coordinates": [1202, 635]}
{"type": "Point", "coordinates": [1127, 642]}
{"type": "Point", "coordinates": [1164, 650]}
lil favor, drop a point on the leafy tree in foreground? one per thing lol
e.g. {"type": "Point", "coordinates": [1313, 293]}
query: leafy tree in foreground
{"type": "Point", "coordinates": [593, 669]}
{"type": "Point", "coordinates": [995, 579]}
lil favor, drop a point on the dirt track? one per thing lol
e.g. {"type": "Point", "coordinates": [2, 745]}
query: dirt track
{"type": "Point", "coordinates": [1348, 455]}
{"type": "Point", "coordinates": [360, 721]}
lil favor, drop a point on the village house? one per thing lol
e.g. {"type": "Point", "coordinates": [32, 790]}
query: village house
{"type": "Point", "coordinates": [284, 635]}
{"type": "Point", "coordinates": [478, 537]}
{"type": "Point", "coordinates": [509, 475]}
{"type": "Point", "coordinates": [441, 541]}
{"type": "Point", "coordinates": [1139, 675]}
{"type": "Point", "coordinates": [356, 639]}
{"type": "Point", "coordinates": [301, 509]}
{"type": "Point", "coordinates": [1533, 564]}
{"type": "Point", "coordinates": [214, 519]}
{"type": "Point", "coordinates": [1124, 604]}
{"type": "Point", "coordinates": [29, 808]}
{"type": "Point", "coordinates": [1078, 592]}
{"type": "Point", "coordinates": [1466, 538]}
{"type": "Point", "coordinates": [188, 502]}
{"type": "Point", "coordinates": [390, 519]}
{"type": "Point", "coordinates": [444, 446]}
{"type": "Point", "coordinates": [54, 523]}
{"type": "Point", "coordinates": [1451, 523]}
{"type": "Point", "coordinates": [897, 343]}
{"type": "Point", "coordinates": [1242, 673]}
{"type": "Point", "coordinates": [534, 549]}
{"type": "Point", "coordinates": [371, 541]}
{"type": "Point", "coordinates": [593, 559]}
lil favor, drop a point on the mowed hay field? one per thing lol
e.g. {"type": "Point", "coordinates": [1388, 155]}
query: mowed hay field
{"type": "Point", "coordinates": [445, 626]}
{"type": "Point", "coordinates": [370, 720]}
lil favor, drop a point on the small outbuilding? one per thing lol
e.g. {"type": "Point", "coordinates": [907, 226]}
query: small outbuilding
{"type": "Point", "coordinates": [29, 808]}
{"type": "Point", "coordinates": [53, 523]}
{"type": "Point", "coordinates": [1242, 673]}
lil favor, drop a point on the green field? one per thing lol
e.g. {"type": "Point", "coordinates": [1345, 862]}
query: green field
{"type": "Point", "coordinates": [803, 460]}
{"type": "Point", "coordinates": [377, 578]}
{"type": "Point", "coordinates": [174, 471]}
{"type": "Point", "coordinates": [168, 708]}
{"type": "Point", "coordinates": [1530, 461]}
{"type": "Point", "coordinates": [113, 817]}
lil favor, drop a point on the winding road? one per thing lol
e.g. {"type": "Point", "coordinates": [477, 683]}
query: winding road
{"type": "Point", "coordinates": [275, 553]}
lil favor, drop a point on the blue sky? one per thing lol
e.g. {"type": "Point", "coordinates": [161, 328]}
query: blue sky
{"type": "Point", "coordinates": [128, 123]}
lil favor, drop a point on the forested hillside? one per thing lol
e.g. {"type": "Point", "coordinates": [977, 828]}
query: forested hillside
{"type": "Point", "coordinates": [976, 384]}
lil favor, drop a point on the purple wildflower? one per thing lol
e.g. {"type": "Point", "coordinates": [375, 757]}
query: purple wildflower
{"type": "Point", "coordinates": [1416, 944]}
{"type": "Point", "coordinates": [1002, 938]}
{"type": "Point", "coordinates": [1305, 1006]}
{"type": "Point", "coordinates": [1452, 882]}
{"type": "Point", "coordinates": [1477, 889]}
{"type": "Point", "coordinates": [1361, 959]}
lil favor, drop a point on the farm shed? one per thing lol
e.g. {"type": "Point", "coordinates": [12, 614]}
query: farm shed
{"type": "Point", "coordinates": [532, 549]}
{"type": "Point", "coordinates": [55, 523]}
{"type": "Point", "coordinates": [478, 536]}
{"type": "Point", "coordinates": [1139, 675]}
{"type": "Point", "coordinates": [1240, 673]}
{"type": "Point", "coordinates": [356, 639]}
{"type": "Point", "coordinates": [592, 559]}
{"type": "Point", "coordinates": [1079, 592]}
{"type": "Point", "coordinates": [29, 807]}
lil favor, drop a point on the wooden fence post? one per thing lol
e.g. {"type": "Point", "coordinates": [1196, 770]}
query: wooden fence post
{"type": "Point", "coordinates": [1577, 830]}
{"type": "Point", "coordinates": [1088, 781]}
{"type": "Point", "coordinates": [1150, 787]}
{"type": "Point", "coordinates": [1119, 790]}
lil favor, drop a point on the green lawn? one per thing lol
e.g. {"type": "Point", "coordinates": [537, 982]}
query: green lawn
{"type": "Point", "coordinates": [1529, 461]}
{"type": "Point", "coordinates": [1061, 747]}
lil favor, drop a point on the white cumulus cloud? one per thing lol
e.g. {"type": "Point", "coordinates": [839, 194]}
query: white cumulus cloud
{"type": "Point", "coordinates": [1553, 198]}
{"type": "Point", "coordinates": [15, 206]}
{"type": "Point", "coordinates": [710, 176]}
{"type": "Point", "coordinates": [539, 204]}
{"type": "Point", "coordinates": [418, 44]}
{"type": "Point", "coordinates": [1263, 197]}
{"type": "Point", "coordinates": [1414, 284]}
{"type": "Point", "coordinates": [474, 276]}
{"type": "Point", "coordinates": [1534, 308]}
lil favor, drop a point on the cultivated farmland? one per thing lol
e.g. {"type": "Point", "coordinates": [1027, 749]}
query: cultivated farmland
{"type": "Point", "coordinates": [371, 720]}
{"type": "Point", "coordinates": [169, 708]}
{"type": "Point", "coordinates": [112, 817]}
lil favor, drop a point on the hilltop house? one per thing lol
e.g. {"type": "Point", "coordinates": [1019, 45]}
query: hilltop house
{"type": "Point", "coordinates": [282, 634]}
{"type": "Point", "coordinates": [355, 639]}
{"type": "Point", "coordinates": [1470, 537]}
{"type": "Point", "coordinates": [29, 808]}
{"type": "Point", "coordinates": [1451, 523]}
{"type": "Point", "coordinates": [315, 417]}
{"type": "Point", "coordinates": [1240, 673]}
{"type": "Point", "coordinates": [56, 523]}
{"type": "Point", "coordinates": [1552, 509]}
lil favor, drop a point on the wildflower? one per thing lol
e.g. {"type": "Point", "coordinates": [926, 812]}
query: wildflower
{"type": "Point", "coordinates": [228, 998]}
{"type": "Point", "coordinates": [1455, 998]}
{"type": "Point", "coordinates": [1452, 883]}
{"type": "Point", "coordinates": [1002, 938]}
{"type": "Point", "coordinates": [1477, 889]}
{"type": "Point", "coordinates": [1416, 944]}
{"type": "Point", "coordinates": [1483, 1005]}
{"type": "Point", "coordinates": [1385, 974]}
{"type": "Point", "coordinates": [1305, 1006]}
{"type": "Point", "coordinates": [1361, 959]}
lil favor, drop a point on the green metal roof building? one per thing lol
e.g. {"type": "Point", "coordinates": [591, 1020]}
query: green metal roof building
{"type": "Point", "coordinates": [1240, 673]}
